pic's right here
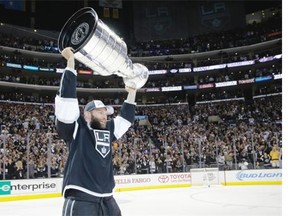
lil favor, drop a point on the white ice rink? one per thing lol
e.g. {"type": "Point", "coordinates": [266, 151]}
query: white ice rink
{"type": "Point", "coordinates": [224, 201]}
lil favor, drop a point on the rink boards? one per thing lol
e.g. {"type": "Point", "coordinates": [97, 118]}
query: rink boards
{"type": "Point", "coordinates": [46, 188]}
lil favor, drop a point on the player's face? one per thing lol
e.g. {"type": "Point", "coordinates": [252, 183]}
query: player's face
{"type": "Point", "coordinates": [98, 118]}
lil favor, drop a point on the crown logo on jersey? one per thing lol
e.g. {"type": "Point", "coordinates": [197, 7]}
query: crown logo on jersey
{"type": "Point", "coordinates": [103, 150]}
{"type": "Point", "coordinates": [102, 142]}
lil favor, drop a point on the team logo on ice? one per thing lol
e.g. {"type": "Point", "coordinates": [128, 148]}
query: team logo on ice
{"type": "Point", "coordinates": [102, 142]}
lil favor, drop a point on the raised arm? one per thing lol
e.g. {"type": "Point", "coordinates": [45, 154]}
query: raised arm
{"type": "Point", "coordinates": [66, 102]}
{"type": "Point", "coordinates": [127, 113]}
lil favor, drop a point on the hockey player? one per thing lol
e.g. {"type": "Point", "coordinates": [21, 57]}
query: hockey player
{"type": "Point", "coordinates": [88, 176]}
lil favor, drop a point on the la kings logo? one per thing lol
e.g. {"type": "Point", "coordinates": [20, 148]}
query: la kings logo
{"type": "Point", "coordinates": [102, 142]}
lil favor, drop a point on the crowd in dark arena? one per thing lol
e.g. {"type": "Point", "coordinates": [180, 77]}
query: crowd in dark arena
{"type": "Point", "coordinates": [200, 123]}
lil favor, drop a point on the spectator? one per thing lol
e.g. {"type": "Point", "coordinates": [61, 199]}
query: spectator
{"type": "Point", "coordinates": [266, 160]}
{"type": "Point", "coordinates": [243, 165]}
{"type": "Point", "coordinates": [275, 157]}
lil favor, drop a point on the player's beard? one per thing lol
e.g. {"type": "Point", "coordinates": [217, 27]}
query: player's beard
{"type": "Point", "coordinates": [95, 124]}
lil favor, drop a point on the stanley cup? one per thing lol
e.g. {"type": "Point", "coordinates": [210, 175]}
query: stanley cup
{"type": "Point", "coordinates": [99, 48]}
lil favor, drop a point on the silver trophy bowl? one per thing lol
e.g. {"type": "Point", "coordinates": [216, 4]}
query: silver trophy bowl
{"type": "Point", "coordinates": [99, 48]}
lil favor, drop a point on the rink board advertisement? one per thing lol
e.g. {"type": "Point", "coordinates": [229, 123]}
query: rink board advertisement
{"type": "Point", "coordinates": [29, 187]}
{"type": "Point", "coordinates": [237, 177]}
{"type": "Point", "coordinates": [253, 177]}
{"type": "Point", "coordinates": [146, 181]}
{"type": "Point", "coordinates": [46, 188]}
